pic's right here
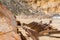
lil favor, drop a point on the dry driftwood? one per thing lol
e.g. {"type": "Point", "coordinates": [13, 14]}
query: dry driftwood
{"type": "Point", "coordinates": [34, 35]}
{"type": "Point", "coordinates": [38, 26]}
{"type": "Point", "coordinates": [44, 30]}
{"type": "Point", "coordinates": [40, 29]}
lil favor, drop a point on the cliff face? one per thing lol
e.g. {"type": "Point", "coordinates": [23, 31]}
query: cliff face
{"type": "Point", "coordinates": [48, 6]}
{"type": "Point", "coordinates": [33, 6]}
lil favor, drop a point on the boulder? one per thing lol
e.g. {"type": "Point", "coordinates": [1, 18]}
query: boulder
{"type": "Point", "coordinates": [8, 25]}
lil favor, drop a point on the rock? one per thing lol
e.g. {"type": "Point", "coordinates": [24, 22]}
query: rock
{"type": "Point", "coordinates": [7, 25]}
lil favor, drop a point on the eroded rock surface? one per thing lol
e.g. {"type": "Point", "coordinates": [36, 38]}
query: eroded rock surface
{"type": "Point", "coordinates": [7, 25]}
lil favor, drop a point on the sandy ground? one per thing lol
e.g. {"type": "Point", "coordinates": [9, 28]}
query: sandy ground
{"type": "Point", "coordinates": [55, 24]}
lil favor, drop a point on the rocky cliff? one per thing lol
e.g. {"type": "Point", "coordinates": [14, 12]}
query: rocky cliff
{"type": "Point", "coordinates": [40, 7]}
